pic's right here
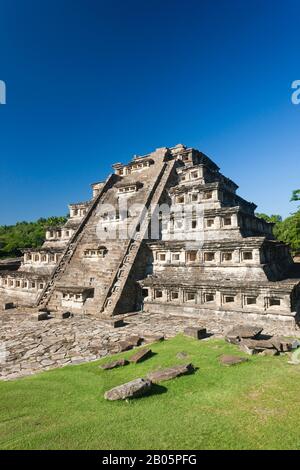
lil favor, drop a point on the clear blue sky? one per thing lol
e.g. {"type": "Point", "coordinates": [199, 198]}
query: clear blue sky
{"type": "Point", "coordinates": [92, 82]}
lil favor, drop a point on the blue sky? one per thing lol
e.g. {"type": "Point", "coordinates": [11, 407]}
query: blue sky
{"type": "Point", "coordinates": [92, 82]}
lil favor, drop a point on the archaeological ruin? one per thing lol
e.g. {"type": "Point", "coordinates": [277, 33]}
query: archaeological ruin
{"type": "Point", "coordinates": [164, 234]}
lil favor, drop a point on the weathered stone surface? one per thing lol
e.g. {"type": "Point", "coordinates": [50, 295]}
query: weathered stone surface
{"type": "Point", "coordinates": [243, 331]}
{"type": "Point", "coordinates": [244, 348]}
{"type": "Point", "coordinates": [130, 342]}
{"type": "Point", "coordinates": [60, 340]}
{"type": "Point", "coordinates": [259, 344]}
{"type": "Point", "coordinates": [229, 277]}
{"type": "Point", "coordinates": [124, 346]}
{"type": "Point", "coordinates": [170, 373]}
{"type": "Point", "coordinates": [228, 360]}
{"type": "Point", "coordinates": [148, 339]}
{"type": "Point", "coordinates": [195, 332]}
{"type": "Point", "coordinates": [114, 364]}
{"type": "Point", "coordinates": [133, 389]}
{"type": "Point", "coordinates": [135, 340]}
{"type": "Point", "coordinates": [283, 345]}
{"type": "Point", "coordinates": [140, 356]}
{"type": "Point", "coordinates": [295, 343]}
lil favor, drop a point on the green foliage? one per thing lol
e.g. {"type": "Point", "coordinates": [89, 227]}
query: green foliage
{"type": "Point", "coordinates": [270, 218]}
{"type": "Point", "coordinates": [296, 195]}
{"type": "Point", "coordinates": [13, 238]}
{"type": "Point", "coordinates": [248, 406]}
{"type": "Point", "coordinates": [287, 230]}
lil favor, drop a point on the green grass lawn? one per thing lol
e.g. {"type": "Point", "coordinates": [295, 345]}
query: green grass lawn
{"type": "Point", "coordinates": [254, 405]}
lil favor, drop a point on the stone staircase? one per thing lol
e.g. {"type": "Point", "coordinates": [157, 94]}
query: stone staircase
{"type": "Point", "coordinates": [126, 265]}
{"type": "Point", "coordinates": [45, 295]}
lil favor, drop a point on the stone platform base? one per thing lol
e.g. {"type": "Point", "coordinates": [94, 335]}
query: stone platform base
{"type": "Point", "coordinates": [273, 324]}
{"type": "Point", "coordinates": [28, 346]}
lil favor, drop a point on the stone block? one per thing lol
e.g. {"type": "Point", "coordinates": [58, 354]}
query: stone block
{"type": "Point", "coordinates": [244, 348]}
{"type": "Point", "coordinates": [124, 346]}
{"type": "Point", "coordinates": [285, 346]}
{"type": "Point", "coordinates": [259, 344]}
{"type": "Point", "coordinates": [170, 373]}
{"type": "Point", "coordinates": [247, 332]}
{"type": "Point", "coordinates": [195, 332]}
{"type": "Point", "coordinates": [133, 389]}
{"type": "Point", "coordinates": [140, 355]}
{"type": "Point", "coordinates": [148, 339]}
{"type": "Point", "coordinates": [227, 360]}
{"type": "Point", "coordinates": [295, 344]}
{"type": "Point", "coordinates": [135, 340]}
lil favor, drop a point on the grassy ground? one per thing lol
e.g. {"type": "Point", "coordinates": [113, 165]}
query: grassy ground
{"type": "Point", "coordinates": [254, 405]}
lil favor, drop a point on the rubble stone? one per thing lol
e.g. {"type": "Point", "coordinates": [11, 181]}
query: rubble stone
{"type": "Point", "coordinates": [228, 360]}
{"type": "Point", "coordinates": [140, 356]}
{"type": "Point", "coordinates": [195, 332]}
{"type": "Point", "coordinates": [244, 332]}
{"type": "Point", "coordinates": [170, 373]}
{"type": "Point", "coordinates": [133, 389]}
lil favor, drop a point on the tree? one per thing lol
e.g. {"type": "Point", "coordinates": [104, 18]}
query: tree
{"type": "Point", "coordinates": [287, 230]}
{"type": "Point", "coordinates": [275, 219]}
{"type": "Point", "coordinates": [25, 235]}
{"type": "Point", "coordinates": [295, 195]}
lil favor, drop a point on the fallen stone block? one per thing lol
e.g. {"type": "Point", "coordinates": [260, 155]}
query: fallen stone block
{"type": "Point", "coordinates": [133, 389]}
{"type": "Point", "coordinates": [227, 360]}
{"type": "Point", "coordinates": [259, 344]}
{"type": "Point", "coordinates": [295, 344]}
{"type": "Point", "coordinates": [252, 346]}
{"type": "Point", "coordinates": [239, 332]}
{"type": "Point", "coordinates": [114, 364]}
{"type": "Point", "coordinates": [233, 339]}
{"type": "Point", "coordinates": [244, 348]}
{"type": "Point", "coordinates": [135, 340]}
{"type": "Point", "coordinates": [195, 332]}
{"type": "Point", "coordinates": [169, 373]}
{"type": "Point", "coordinates": [124, 346]}
{"type": "Point", "coordinates": [282, 344]}
{"type": "Point", "coordinates": [148, 339]}
{"type": "Point", "coordinates": [140, 355]}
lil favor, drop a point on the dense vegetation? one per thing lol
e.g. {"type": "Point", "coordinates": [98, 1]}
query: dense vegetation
{"type": "Point", "coordinates": [252, 405]}
{"type": "Point", "coordinates": [25, 235]}
{"type": "Point", "coordinates": [287, 230]}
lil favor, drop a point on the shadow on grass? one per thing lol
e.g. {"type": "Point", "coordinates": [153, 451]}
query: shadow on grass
{"type": "Point", "coordinates": [149, 356]}
{"type": "Point", "coordinates": [155, 389]}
